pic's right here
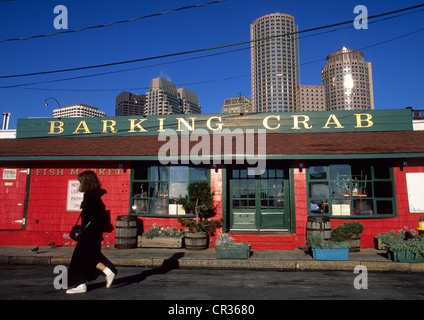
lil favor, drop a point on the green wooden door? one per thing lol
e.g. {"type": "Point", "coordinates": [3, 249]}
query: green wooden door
{"type": "Point", "coordinates": [259, 202]}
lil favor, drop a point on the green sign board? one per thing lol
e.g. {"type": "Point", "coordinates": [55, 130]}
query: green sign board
{"type": "Point", "coordinates": [275, 122]}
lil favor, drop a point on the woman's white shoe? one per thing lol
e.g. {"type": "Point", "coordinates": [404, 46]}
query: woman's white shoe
{"type": "Point", "coordinates": [82, 288]}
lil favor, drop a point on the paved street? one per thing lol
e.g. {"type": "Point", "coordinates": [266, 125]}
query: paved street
{"type": "Point", "coordinates": [36, 282]}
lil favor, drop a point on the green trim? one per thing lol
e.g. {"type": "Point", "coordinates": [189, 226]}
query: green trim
{"type": "Point", "coordinates": [26, 204]}
{"type": "Point", "coordinates": [292, 214]}
{"type": "Point", "coordinates": [225, 222]}
{"type": "Point", "coordinates": [210, 159]}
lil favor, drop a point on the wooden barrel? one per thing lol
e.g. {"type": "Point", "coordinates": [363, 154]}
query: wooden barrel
{"type": "Point", "coordinates": [126, 232]}
{"type": "Point", "coordinates": [318, 226]}
{"type": "Point", "coordinates": [355, 243]}
{"type": "Point", "coordinates": [196, 241]}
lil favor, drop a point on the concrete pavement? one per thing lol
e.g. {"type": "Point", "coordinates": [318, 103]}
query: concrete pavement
{"type": "Point", "coordinates": [277, 260]}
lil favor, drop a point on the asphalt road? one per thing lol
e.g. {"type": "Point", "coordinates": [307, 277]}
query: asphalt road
{"type": "Point", "coordinates": [30, 282]}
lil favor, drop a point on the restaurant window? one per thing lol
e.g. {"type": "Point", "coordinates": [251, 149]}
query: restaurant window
{"type": "Point", "coordinates": [344, 190]}
{"type": "Point", "coordinates": [156, 189]}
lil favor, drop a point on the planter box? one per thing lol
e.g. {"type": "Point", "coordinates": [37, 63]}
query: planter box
{"type": "Point", "coordinates": [404, 256]}
{"type": "Point", "coordinates": [338, 254]}
{"type": "Point", "coordinates": [233, 252]}
{"type": "Point", "coordinates": [159, 242]}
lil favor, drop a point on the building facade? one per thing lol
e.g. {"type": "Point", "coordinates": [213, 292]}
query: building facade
{"type": "Point", "coordinates": [237, 105]}
{"type": "Point", "coordinates": [164, 98]}
{"type": "Point", "coordinates": [310, 98]}
{"type": "Point", "coordinates": [347, 79]}
{"type": "Point", "coordinates": [365, 166]}
{"type": "Point", "coordinates": [78, 110]}
{"type": "Point", "coordinates": [127, 104]}
{"type": "Point", "coordinates": [274, 63]}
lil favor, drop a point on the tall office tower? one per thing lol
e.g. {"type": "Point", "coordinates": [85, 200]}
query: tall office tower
{"type": "Point", "coordinates": [128, 104]}
{"type": "Point", "coordinates": [189, 102]}
{"type": "Point", "coordinates": [310, 98]}
{"type": "Point", "coordinates": [347, 79]}
{"type": "Point", "coordinates": [162, 98]}
{"type": "Point", "coordinates": [78, 110]}
{"type": "Point", "coordinates": [274, 63]}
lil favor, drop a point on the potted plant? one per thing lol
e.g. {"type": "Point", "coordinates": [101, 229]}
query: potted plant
{"type": "Point", "coordinates": [161, 237]}
{"type": "Point", "coordinates": [350, 231]}
{"type": "Point", "coordinates": [228, 248]}
{"type": "Point", "coordinates": [200, 203]}
{"type": "Point", "coordinates": [328, 250]}
{"type": "Point", "coordinates": [403, 246]}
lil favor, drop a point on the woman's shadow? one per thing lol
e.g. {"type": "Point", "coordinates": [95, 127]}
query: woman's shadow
{"type": "Point", "coordinates": [167, 265]}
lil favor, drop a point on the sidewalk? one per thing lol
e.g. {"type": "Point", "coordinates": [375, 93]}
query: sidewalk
{"type": "Point", "coordinates": [277, 260]}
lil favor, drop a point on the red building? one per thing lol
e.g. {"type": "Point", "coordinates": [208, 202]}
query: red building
{"type": "Point", "coordinates": [269, 172]}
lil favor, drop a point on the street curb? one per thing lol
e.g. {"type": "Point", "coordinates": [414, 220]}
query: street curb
{"type": "Point", "coordinates": [230, 264]}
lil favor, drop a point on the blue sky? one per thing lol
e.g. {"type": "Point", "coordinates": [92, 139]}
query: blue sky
{"type": "Point", "coordinates": [397, 65]}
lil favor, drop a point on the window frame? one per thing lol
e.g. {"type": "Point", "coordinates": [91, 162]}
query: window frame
{"type": "Point", "coordinates": [151, 185]}
{"type": "Point", "coordinates": [329, 202]}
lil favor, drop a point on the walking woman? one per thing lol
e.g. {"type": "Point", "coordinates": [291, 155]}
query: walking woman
{"type": "Point", "coordinates": [87, 259]}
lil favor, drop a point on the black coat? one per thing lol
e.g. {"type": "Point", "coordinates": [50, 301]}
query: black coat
{"type": "Point", "coordinates": [87, 253]}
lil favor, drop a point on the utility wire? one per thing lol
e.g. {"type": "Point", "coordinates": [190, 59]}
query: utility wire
{"type": "Point", "coordinates": [193, 58]}
{"type": "Point", "coordinates": [186, 84]}
{"type": "Point", "coordinates": [113, 23]}
{"type": "Point", "coordinates": [210, 48]}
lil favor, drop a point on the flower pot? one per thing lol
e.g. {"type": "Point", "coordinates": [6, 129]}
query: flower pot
{"type": "Point", "coordinates": [233, 252]}
{"type": "Point", "coordinates": [337, 253]}
{"type": "Point", "coordinates": [196, 241]}
{"type": "Point", "coordinates": [160, 242]}
{"type": "Point", "coordinates": [404, 256]}
{"type": "Point", "coordinates": [355, 243]}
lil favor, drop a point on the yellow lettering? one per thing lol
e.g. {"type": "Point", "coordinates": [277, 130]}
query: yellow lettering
{"type": "Point", "coordinates": [111, 126]}
{"type": "Point", "coordinates": [110, 172]}
{"type": "Point", "coordinates": [219, 126]}
{"type": "Point", "coordinates": [359, 120]}
{"type": "Point", "coordinates": [138, 125]}
{"type": "Point", "coordinates": [304, 122]}
{"type": "Point", "coordinates": [51, 172]}
{"type": "Point", "coordinates": [186, 124]}
{"type": "Point", "coordinates": [56, 125]}
{"type": "Point", "coordinates": [266, 125]}
{"type": "Point", "coordinates": [161, 124]}
{"type": "Point", "coordinates": [74, 171]}
{"type": "Point", "coordinates": [332, 120]}
{"type": "Point", "coordinates": [38, 172]}
{"type": "Point", "coordinates": [59, 172]}
{"type": "Point", "coordinates": [82, 126]}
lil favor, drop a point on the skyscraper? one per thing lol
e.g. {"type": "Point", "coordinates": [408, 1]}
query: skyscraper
{"type": "Point", "coordinates": [164, 98]}
{"type": "Point", "coordinates": [347, 79]}
{"type": "Point", "coordinates": [274, 63]}
{"type": "Point", "coordinates": [128, 104]}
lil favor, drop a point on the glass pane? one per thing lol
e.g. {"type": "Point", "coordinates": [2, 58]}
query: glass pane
{"type": "Point", "coordinates": [318, 190]}
{"type": "Point", "coordinates": [178, 173]}
{"type": "Point", "coordinates": [339, 189]}
{"type": "Point", "coordinates": [236, 204]}
{"type": "Point", "coordinates": [236, 174]}
{"type": "Point", "coordinates": [159, 173]}
{"type": "Point", "coordinates": [158, 206]}
{"type": "Point", "coordinates": [280, 173]}
{"type": "Point", "coordinates": [340, 207]}
{"type": "Point", "coordinates": [363, 207]}
{"type": "Point", "coordinates": [383, 189]}
{"type": "Point", "coordinates": [340, 172]}
{"type": "Point", "coordinates": [177, 189]}
{"type": "Point", "coordinates": [318, 172]}
{"type": "Point", "coordinates": [158, 189]}
{"type": "Point", "coordinates": [361, 173]}
{"type": "Point", "coordinates": [139, 206]}
{"type": "Point", "coordinates": [139, 189]}
{"type": "Point", "coordinates": [198, 174]}
{"type": "Point", "coordinates": [362, 189]}
{"type": "Point", "coordinates": [318, 206]}
{"type": "Point", "coordinates": [381, 172]}
{"type": "Point", "coordinates": [140, 174]}
{"type": "Point", "coordinates": [385, 207]}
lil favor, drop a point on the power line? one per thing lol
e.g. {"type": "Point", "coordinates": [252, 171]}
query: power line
{"type": "Point", "coordinates": [112, 23]}
{"type": "Point", "coordinates": [208, 49]}
{"type": "Point", "coordinates": [188, 59]}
